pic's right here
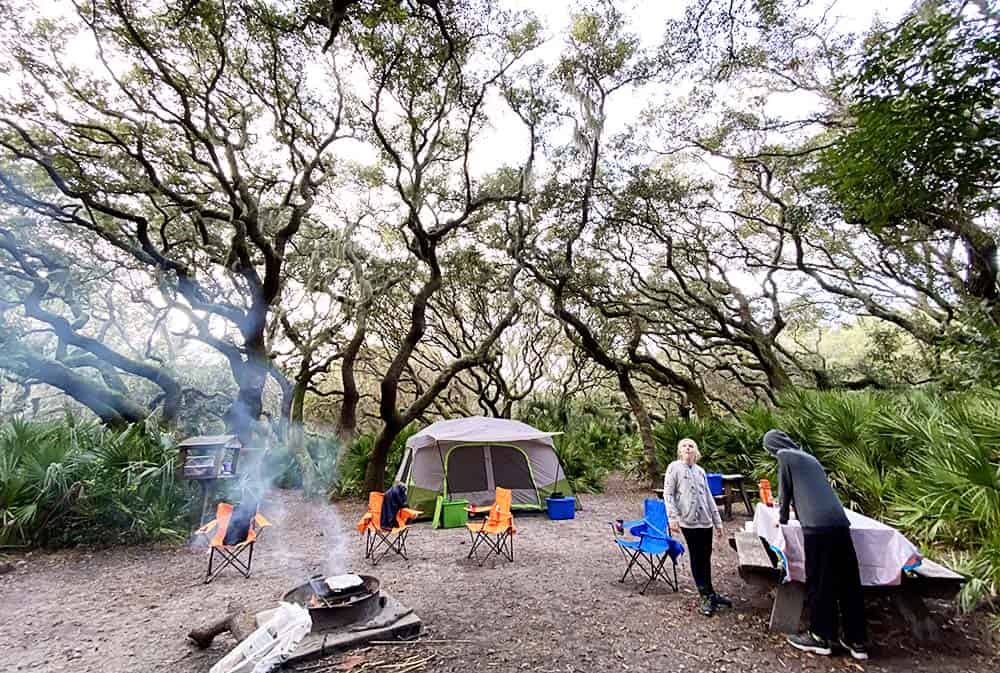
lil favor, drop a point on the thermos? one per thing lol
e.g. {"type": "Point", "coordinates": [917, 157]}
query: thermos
{"type": "Point", "coordinates": [765, 492]}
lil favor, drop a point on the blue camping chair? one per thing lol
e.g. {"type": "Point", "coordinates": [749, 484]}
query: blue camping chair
{"type": "Point", "coordinates": [653, 546]}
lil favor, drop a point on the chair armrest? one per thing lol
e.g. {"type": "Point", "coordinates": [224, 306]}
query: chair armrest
{"type": "Point", "coordinates": [207, 528]}
{"type": "Point", "coordinates": [631, 526]}
{"type": "Point", "coordinates": [365, 521]}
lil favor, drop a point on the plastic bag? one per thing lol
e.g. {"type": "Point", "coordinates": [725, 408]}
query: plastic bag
{"type": "Point", "coordinates": [270, 645]}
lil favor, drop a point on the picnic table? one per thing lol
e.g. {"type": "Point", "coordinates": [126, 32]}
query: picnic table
{"type": "Point", "coordinates": [772, 554]}
{"type": "Point", "coordinates": [732, 490]}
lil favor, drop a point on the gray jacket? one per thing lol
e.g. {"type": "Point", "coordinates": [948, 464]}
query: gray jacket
{"type": "Point", "coordinates": [689, 500]}
{"type": "Point", "coordinates": [802, 482]}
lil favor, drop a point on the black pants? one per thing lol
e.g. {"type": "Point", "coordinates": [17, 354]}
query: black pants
{"type": "Point", "coordinates": [833, 585]}
{"type": "Point", "coordinates": [699, 544]}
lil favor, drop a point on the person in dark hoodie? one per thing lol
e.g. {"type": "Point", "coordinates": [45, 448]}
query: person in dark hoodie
{"type": "Point", "coordinates": [833, 581]}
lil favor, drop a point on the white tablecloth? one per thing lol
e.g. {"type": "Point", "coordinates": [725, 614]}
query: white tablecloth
{"type": "Point", "coordinates": [882, 550]}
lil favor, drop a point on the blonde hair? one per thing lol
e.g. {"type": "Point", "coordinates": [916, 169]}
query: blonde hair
{"type": "Point", "coordinates": [694, 444]}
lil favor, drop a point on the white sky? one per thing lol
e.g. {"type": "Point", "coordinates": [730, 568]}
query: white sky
{"type": "Point", "coordinates": [507, 141]}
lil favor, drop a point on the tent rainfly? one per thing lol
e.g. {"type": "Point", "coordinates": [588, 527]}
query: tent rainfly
{"type": "Point", "coordinates": [467, 458]}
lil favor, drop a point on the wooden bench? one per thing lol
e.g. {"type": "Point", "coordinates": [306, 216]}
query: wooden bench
{"type": "Point", "coordinates": [758, 565]}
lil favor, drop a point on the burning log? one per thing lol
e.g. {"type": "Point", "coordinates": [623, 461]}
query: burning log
{"type": "Point", "coordinates": [237, 622]}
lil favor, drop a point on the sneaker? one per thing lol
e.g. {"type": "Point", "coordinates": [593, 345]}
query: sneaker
{"type": "Point", "coordinates": [721, 601]}
{"type": "Point", "coordinates": [707, 606]}
{"type": "Point", "coordinates": [809, 642]}
{"type": "Point", "coordinates": [857, 650]}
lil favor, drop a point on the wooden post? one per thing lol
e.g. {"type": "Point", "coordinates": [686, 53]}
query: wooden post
{"type": "Point", "coordinates": [207, 493]}
{"type": "Point", "coordinates": [787, 609]}
{"type": "Point", "coordinates": [913, 610]}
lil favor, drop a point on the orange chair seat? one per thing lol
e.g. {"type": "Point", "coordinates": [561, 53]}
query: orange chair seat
{"type": "Point", "coordinates": [384, 539]}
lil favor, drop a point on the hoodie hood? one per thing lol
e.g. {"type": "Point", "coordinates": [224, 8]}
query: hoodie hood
{"type": "Point", "coordinates": [776, 440]}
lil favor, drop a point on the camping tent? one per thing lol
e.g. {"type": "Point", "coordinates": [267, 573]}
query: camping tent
{"type": "Point", "coordinates": [467, 458]}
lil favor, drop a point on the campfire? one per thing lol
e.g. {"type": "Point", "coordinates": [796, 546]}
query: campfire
{"type": "Point", "coordinates": [346, 611]}
{"type": "Point", "coordinates": [338, 600]}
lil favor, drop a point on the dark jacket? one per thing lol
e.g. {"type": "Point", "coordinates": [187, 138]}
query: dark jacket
{"type": "Point", "coordinates": [240, 521]}
{"type": "Point", "coordinates": [802, 482]}
{"type": "Point", "coordinates": [395, 500]}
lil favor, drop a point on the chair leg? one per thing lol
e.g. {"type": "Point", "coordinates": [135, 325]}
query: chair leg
{"type": "Point", "coordinates": [229, 558]}
{"type": "Point", "coordinates": [398, 544]}
{"type": "Point", "coordinates": [381, 544]}
{"type": "Point", "coordinates": [249, 561]}
{"type": "Point", "coordinates": [631, 562]}
{"type": "Point", "coordinates": [211, 556]}
{"type": "Point", "coordinates": [656, 571]}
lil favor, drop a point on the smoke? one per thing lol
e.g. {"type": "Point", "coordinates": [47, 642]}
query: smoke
{"type": "Point", "coordinates": [336, 540]}
{"type": "Point", "coordinates": [307, 536]}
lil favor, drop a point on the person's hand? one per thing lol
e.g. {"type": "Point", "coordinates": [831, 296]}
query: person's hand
{"type": "Point", "coordinates": [718, 532]}
{"type": "Point", "coordinates": [674, 529]}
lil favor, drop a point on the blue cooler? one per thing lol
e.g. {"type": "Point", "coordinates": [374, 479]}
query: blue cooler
{"type": "Point", "coordinates": [714, 483]}
{"type": "Point", "coordinates": [561, 508]}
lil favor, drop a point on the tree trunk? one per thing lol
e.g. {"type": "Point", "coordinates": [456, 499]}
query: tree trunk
{"type": "Point", "coordinates": [113, 408]}
{"type": "Point", "coordinates": [777, 377]}
{"type": "Point", "coordinates": [347, 421]}
{"type": "Point", "coordinates": [244, 414]}
{"type": "Point", "coordinates": [296, 438]}
{"type": "Point", "coordinates": [983, 272]}
{"type": "Point", "coordinates": [652, 465]}
{"type": "Point", "coordinates": [699, 401]}
{"type": "Point", "coordinates": [375, 472]}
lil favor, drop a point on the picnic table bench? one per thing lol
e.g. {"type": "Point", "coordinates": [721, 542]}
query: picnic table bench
{"type": "Point", "coordinates": [759, 565]}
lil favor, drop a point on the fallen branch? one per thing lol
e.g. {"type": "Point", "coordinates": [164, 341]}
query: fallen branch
{"type": "Point", "coordinates": [237, 622]}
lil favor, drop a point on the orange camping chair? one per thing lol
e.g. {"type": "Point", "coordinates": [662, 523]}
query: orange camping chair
{"type": "Point", "coordinates": [497, 531]}
{"type": "Point", "coordinates": [229, 554]}
{"type": "Point", "coordinates": [380, 541]}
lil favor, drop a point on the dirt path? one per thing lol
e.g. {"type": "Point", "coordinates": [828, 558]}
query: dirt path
{"type": "Point", "coordinates": [559, 607]}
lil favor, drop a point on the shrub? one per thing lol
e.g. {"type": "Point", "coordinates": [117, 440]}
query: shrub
{"type": "Point", "coordinates": [69, 482]}
{"type": "Point", "coordinates": [349, 474]}
{"type": "Point", "coordinates": [596, 439]}
{"type": "Point", "coordinates": [927, 461]}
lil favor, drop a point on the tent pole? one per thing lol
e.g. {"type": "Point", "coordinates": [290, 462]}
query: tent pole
{"type": "Point", "coordinates": [444, 470]}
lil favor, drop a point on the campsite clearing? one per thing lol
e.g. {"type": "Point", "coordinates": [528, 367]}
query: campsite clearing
{"type": "Point", "coordinates": [558, 607]}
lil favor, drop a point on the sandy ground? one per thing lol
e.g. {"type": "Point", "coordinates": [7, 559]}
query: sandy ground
{"type": "Point", "coordinates": [558, 607]}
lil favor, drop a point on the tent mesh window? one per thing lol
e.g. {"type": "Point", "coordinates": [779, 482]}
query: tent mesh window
{"type": "Point", "coordinates": [404, 471]}
{"type": "Point", "coordinates": [510, 468]}
{"type": "Point", "coordinates": [466, 470]}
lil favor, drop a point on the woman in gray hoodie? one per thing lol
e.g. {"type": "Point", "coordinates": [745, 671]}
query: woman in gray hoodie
{"type": "Point", "coordinates": [692, 511]}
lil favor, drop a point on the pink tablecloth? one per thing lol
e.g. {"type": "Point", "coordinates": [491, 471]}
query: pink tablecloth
{"type": "Point", "coordinates": [882, 550]}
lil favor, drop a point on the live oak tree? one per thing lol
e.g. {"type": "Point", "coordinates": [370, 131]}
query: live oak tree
{"type": "Point", "coordinates": [66, 326]}
{"type": "Point", "coordinates": [425, 119]}
{"type": "Point", "coordinates": [918, 160]}
{"type": "Point", "coordinates": [193, 142]}
{"type": "Point", "coordinates": [602, 60]}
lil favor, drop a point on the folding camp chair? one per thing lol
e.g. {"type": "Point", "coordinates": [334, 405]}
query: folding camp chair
{"type": "Point", "coordinates": [653, 547]}
{"type": "Point", "coordinates": [229, 554]}
{"type": "Point", "coordinates": [497, 531]}
{"type": "Point", "coordinates": [380, 541]}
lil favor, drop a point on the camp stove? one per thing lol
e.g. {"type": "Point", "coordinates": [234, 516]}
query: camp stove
{"type": "Point", "coordinates": [346, 611]}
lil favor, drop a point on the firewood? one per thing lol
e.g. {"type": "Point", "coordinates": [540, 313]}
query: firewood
{"type": "Point", "coordinates": [238, 622]}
